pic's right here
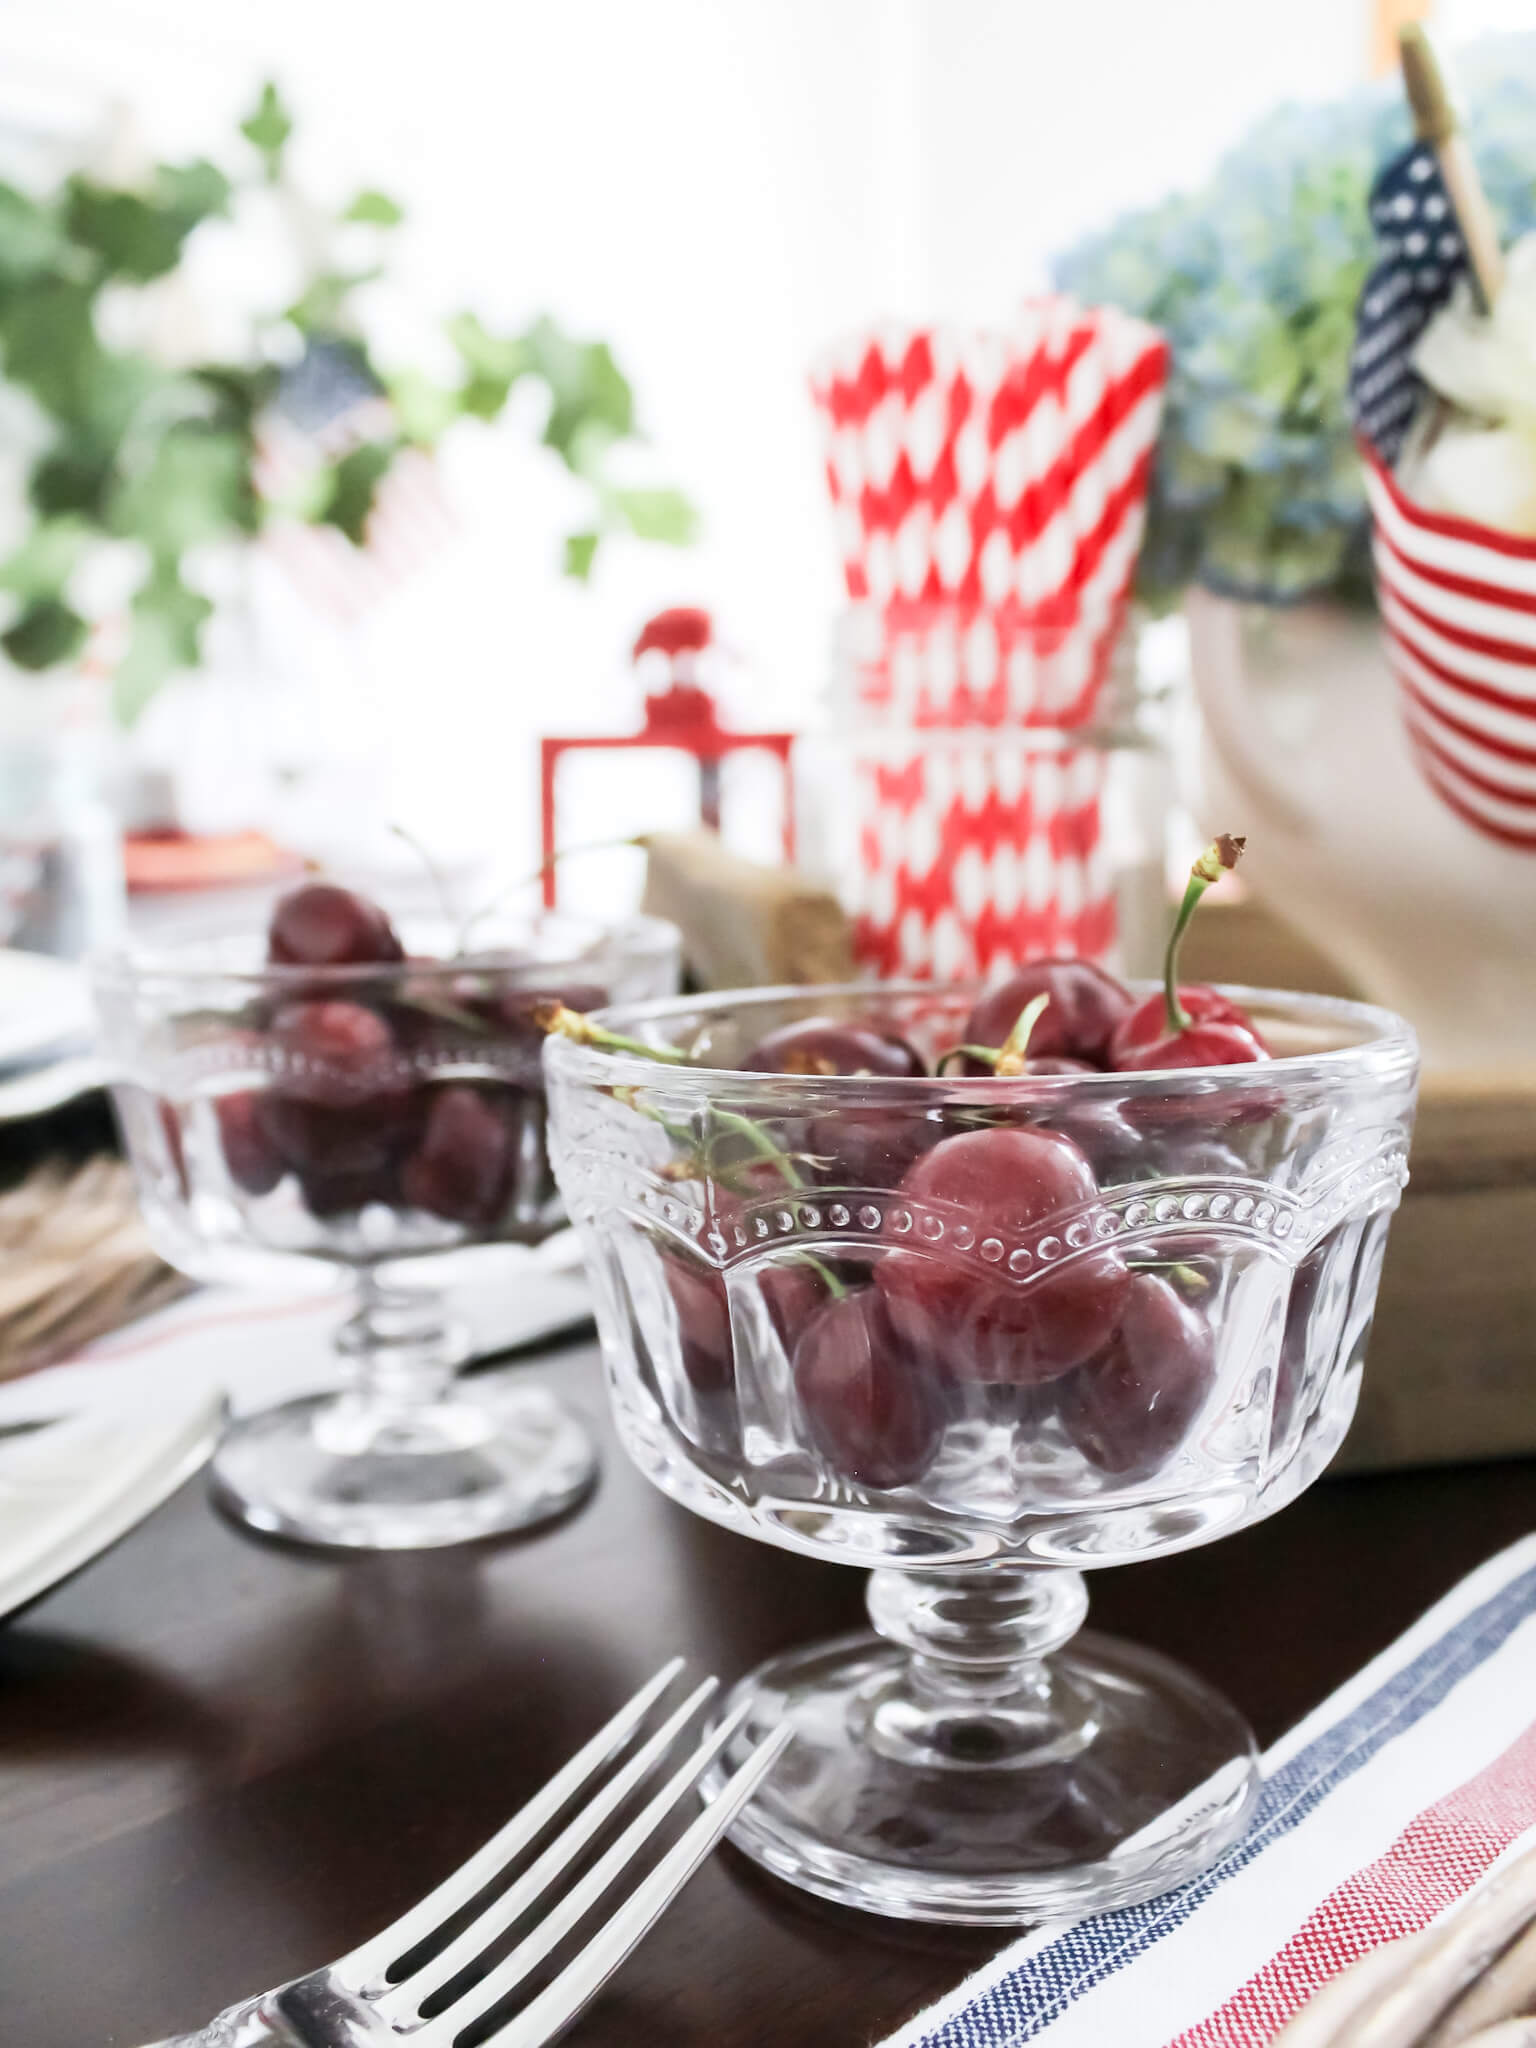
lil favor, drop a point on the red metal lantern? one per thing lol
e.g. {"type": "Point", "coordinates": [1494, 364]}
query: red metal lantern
{"type": "Point", "coordinates": [683, 716]}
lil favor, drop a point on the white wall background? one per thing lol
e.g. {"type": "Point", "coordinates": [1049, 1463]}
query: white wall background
{"type": "Point", "coordinates": [716, 186]}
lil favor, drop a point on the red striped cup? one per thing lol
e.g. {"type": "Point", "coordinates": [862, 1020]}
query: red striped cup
{"type": "Point", "coordinates": [1458, 605]}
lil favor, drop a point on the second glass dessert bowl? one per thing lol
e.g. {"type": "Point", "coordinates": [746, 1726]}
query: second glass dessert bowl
{"type": "Point", "coordinates": [982, 1334]}
{"type": "Point", "coordinates": [331, 1106]}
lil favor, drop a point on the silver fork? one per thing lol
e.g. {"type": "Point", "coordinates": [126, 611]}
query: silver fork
{"type": "Point", "coordinates": [369, 2000]}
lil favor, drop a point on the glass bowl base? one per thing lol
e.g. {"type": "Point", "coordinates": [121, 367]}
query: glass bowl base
{"type": "Point", "coordinates": [479, 1462]}
{"type": "Point", "coordinates": [1139, 1787]}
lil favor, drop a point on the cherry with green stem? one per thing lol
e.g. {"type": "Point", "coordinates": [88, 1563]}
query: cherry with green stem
{"type": "Point", "coordinates": [1009, 1058]}
{"type": "Point", "coordinates": [1191, 1026]}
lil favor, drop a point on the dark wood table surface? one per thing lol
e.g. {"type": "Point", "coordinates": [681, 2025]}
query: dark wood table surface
{"type": "Point", "coordinates": [223, 1761]}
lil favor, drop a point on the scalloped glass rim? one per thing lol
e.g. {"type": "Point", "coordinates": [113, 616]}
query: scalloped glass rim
{"type": "Point", "coordinates": [1377, 1042]}
{"type": "Point", "coordinates": [219, 956]}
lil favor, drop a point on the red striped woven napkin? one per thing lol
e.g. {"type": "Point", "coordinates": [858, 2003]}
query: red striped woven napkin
{"type": "Point", "coordinates": [1381, 1811]}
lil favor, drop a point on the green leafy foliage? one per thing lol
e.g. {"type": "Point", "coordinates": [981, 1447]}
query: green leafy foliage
{"type": "Point", "coordinates": [46, 559]}
{"type": "Point", "coordinates": [194, 489]}
{"type": "Point", "coordinates": [31, 240]}
{"type": "Point", "coordinates": [166, 636]}
{"type": "Point", "coordinates": [580, 553]}
{"type": "Point", "coordinates": [656, 515]}
{"type": "Point", "coordinates": [353, 482]}
{"type": "Point", "coordinates": [139, 235]}
{"type": "Point", "coordinates": [377, 209]}
{"type": "Point", "coordinates": [321, 308]}
{"type": "Point", "coordinates": [267, 129]}
{"type": "Point", "coordinates": [47, 633]}
{"type": "Point", "coordinates": [165, 457]}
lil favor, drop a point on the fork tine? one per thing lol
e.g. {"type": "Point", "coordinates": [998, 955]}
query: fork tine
{"type": "Point", "coordinates": [558, 2004]}
{"type": "Point", "coordinates": [564, 1915]}
{"type": "Point", "coordinates": [403, 2000]}
{"type": "Point", "coordinates": [372, 1957]}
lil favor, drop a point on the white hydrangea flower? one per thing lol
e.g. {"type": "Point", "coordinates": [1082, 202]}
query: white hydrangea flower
{"type": "Point", "coordinates": [1486, 363]}
{"type": "Point", "coordinates": [1481, 463]}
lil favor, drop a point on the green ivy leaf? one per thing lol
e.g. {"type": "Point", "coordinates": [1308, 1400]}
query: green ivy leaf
{"type": "Point", "coordinates": [268, 129]}
{"type": "Point", "coordinates": [46, 559]}
{"type": "Point", "coordinates": [377, 209]}
{"type": "Point", "coordinates": [195, 488]}
{"type": "Point", "coordinates": [168, 621]}
{"type": "Point", "coordinates": [354, 480]}
{"type": "Point", "coordinates": [662, 515]}
{"type": "Point", "coordinates": [50, 345]}
{"type": "Point", "coordinates": [239, 394]}
{"type": "Point", "coordinates": [193, 192]}
{"type": "Point", "coordinates": [74, 477]}
{"type": "Point", "coordinates": [585, 384]}
{"type": "Point", "coordinates": [47, 633]}
{"type": "Point", "coordinates": [423, 409]}
{"type": "Point", "coordinates": [580, 553]}
{"type": "Point", "coordinates": [321, 308]}
{"type": "Point", "coordinates": [494, 362]}
{"type": "Point", "coordinates": [131, 237]}
{"type": "Point", "coordinates": [140, 235]}
{"type": "Point", "coordinates": [31, 240]}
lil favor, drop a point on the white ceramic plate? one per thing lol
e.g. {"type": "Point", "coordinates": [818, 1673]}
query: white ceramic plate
{"type": "Point", "coordinates": [70, 1489]}
{"type": "Point", "coordinates": [43, 1003]}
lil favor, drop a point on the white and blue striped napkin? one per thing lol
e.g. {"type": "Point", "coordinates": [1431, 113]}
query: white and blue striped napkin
{"type": "Point", "coordinates": [1380, 1812]}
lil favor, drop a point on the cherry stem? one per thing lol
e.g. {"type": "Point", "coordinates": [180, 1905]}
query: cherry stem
{"type": "Point", "coordinates": [1218, 859]}
{"type": "Point", "coordinates": [556, 1021]}
{"type": "Point", "coordinates": [825, 1274]}
{"type": "Point", "coordinates": [438, 879]}
{"type": "Point", "coordinates": [759, 1140]}
{"type": "Point", "coordinates": [1012, 1056]}
{"type": "Point", "coordinates": [527, 881]}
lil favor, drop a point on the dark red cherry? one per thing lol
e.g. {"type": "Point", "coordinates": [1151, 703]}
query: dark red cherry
{"type": "Point", "coordinates": [462, 1165]}
{"type": "Point", "coordinates": [1130, 1408]}
{"type": "Point", "coordinates": [326, 1138]}
{"type": "Point", "coordinates": [865, 1146]}
{"type": "Point", "coordinates": [821, 1045]}
{"type": "Point", "coordinates": [335, 1052]}
{"type": "Point", "coordinates": [791, 1291]}
{"type": "Point", "coordinates": [1215, 1043]}
{"type": "Point", "coordinates": [322, 925]}
{"type": "Point", "coordinates": [1084, 1009]}
{"type": "Point", "coordinates": [1147, 1024]}
{"type": "Point", "coordinates": [1101, 1131]}
{"type": "Point", "coordinates": [327, 1195]}
{"type": "Point", "coordinates": [254, 1162]}
{"type": "Point", "coordinates": [984, 1322]}
{"type": "Point", "coordinates": [869, 1407]}
{"type": "Point", "coordinates": [703, 1322]}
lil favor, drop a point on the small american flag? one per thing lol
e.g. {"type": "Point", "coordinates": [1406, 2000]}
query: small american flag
{"type": "Point", "coordinates": [328, 404]}
{"type": "Point", "coordinates": [1421, 255]}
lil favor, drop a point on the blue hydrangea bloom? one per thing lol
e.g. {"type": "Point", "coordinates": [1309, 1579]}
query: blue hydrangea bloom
{"type": "Point", "coordinates": [1254, 279]}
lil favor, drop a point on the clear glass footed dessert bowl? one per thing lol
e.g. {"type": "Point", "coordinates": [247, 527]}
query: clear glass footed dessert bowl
{"type": "Point", "coordinates": [338, 1102]}
{"type": "Point", "coordinates": [980, 1335]}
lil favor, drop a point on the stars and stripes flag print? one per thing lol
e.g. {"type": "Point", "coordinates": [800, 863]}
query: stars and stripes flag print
{"type": "Point", "coordinates": [327, 406]}
{"type": "Point", "coordinates": [1420, 255]}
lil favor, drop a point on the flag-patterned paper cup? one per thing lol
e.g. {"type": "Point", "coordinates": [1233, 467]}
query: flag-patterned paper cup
{"type": "Point", "coordinates": [1458, 607]}
{"type": "Point", "coordinates": [976, 851]}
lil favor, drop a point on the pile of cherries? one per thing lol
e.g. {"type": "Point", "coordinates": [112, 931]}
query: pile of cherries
{"type": "Point", "coordinates": [352, 1109]}
{"type": "Point", "coordinates": [887, 1354]}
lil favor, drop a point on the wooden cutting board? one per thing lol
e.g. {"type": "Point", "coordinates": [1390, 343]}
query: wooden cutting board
{"type": "Point", "coordinates": [1451, 1372]}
